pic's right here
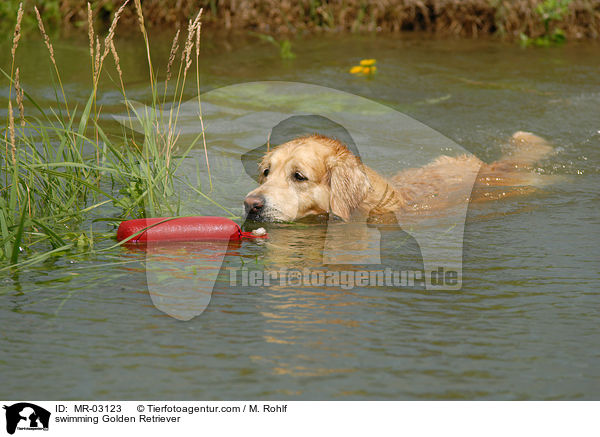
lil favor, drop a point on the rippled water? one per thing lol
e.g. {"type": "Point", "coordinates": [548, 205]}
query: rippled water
{"type": "Point", "coordinates": [524, 325]}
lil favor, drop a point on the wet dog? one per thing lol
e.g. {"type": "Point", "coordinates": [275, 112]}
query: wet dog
{"type": "Point", "coordinates": [315, 175]}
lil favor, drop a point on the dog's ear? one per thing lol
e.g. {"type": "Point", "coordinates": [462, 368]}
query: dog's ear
{"type": "Point", "coordinates": [348, 183]}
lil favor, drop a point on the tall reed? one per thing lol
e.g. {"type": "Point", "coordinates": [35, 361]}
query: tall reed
{"type": "Point", "coordinates": [58, 165]}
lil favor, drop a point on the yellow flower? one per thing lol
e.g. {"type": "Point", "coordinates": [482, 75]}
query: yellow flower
{"type": "Point", "coordinates": [366, 68]}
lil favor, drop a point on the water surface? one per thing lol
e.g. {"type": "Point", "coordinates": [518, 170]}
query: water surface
{"type": "Point", "coordinates": [524, 325]}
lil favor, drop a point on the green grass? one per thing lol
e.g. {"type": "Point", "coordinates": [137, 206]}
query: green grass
{"type": "Point", "coordinates": [550, 13]}
{"type": "Point", "coordinates": [60, 170]}
{"type": "Point", "coordinates": [284, 46]}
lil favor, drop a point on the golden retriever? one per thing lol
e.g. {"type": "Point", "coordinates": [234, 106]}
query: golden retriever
{"type": "Point", "coordinates": [315, 175]}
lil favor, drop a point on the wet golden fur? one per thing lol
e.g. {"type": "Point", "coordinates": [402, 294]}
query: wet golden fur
{"type": "Point", "coordinates": [315, 174]}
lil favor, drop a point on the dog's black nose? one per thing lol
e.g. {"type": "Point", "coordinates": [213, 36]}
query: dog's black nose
{"type": "Point", "coordinates": [254, 204]}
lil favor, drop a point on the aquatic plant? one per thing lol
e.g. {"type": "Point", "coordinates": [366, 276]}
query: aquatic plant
{"type": "Point", "coordinates": [59, 166]}
{"type": "Point", "coordinates": [284, 46]}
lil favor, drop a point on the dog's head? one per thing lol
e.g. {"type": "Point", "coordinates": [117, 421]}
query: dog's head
{"type": "Point", "coordinates": [307, 176]}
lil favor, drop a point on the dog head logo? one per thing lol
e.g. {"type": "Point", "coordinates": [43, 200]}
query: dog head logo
{"type": "Point", "coordinates": [26, 416]}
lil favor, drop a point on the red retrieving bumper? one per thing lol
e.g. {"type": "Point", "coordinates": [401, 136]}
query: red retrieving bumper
{"type": "Point", "coordinates": [197, 228]}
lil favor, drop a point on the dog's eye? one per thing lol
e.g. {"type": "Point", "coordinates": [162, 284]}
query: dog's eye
{"type": "Point", "coordinates": [299, 176]}
{"type": "Point", "coordinates": [266, 172]}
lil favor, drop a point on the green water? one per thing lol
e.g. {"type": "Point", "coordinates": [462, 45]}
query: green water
{"type": "Point", "coordinates": [523, 326]}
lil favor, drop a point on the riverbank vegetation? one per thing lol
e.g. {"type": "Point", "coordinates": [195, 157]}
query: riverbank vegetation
{"type": "Point", "coordinates": [60, 170]}
{"type": "Point", "coordinates": [508, 19]}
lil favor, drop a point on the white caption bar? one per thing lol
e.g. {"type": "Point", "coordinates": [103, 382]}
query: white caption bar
{"type": "Point", "coordinates": [160, 418]}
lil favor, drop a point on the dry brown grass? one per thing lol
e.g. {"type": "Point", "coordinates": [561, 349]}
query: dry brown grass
{"type": "Point", "coordinates": [17, 33]}
{"type": "Point", "coordinates": [172, 54]}
{"type": "Point", "coordinates": [45, 35]}
{"type": "Point", "coordinates": [19, 96]}
{"type": "Point", "coordinates": [466, 18]}
{"type": "Point", "coordinates": [13, 51]}
{"type": "Point", "coordinates": [90, 21]}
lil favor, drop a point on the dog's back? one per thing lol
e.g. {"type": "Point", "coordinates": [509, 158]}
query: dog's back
{"type": "Point", "coordinates": [433, 186]}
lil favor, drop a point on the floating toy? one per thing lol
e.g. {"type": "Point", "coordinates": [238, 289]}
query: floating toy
{"type": "Point", "coordinates": [197, 228]}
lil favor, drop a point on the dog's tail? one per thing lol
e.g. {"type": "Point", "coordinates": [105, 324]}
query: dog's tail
{"type": "Point", "coordinates": [516, 165]}
{"type": "Point", "coordinates": [526, 149]}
